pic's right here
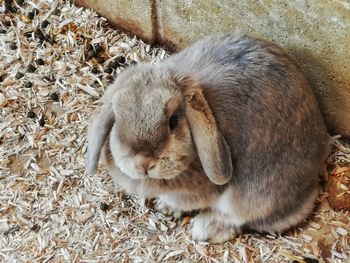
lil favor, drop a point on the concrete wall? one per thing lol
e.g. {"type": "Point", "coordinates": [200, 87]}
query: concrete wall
{"type": "Point", "coordinates": [315, 32]}
{"type": "Point", "coordinates": [134, 16]}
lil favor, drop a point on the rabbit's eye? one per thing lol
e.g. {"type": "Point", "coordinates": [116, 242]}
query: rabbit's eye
{"type": "Point", "coordinates": [173, 122]}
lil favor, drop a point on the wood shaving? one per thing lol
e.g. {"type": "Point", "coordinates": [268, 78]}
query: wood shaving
{"type": "Point", "coordinates": [50, 211]}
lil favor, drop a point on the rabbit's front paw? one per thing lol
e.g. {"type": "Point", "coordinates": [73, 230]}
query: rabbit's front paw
{"type": "Point", "coordinates": [209, 226]}
{"type": "Point", "coordinates": [166, 210]}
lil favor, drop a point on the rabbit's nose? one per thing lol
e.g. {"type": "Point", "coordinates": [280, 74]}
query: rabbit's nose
{"type": "Point", "coordinates": [145, 163]}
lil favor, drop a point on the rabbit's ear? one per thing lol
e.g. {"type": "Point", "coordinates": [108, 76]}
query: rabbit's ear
{"type": "Point", "coordinates": [212, 148]}
{"type": "Point", "coordinates": [98, 131]}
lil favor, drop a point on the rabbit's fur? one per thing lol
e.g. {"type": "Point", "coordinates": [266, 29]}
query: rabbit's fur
{"type": "Point", "coordinates": [249, 140]}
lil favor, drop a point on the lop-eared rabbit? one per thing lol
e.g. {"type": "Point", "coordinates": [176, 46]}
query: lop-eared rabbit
{"type": "Point", "coordinates": [229, 126]}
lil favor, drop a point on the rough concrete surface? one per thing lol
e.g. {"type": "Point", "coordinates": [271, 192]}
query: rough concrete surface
{"type": "Point", "coordinates": [315, 32]}
{"type": "Point", "coordinates": [133, 16]}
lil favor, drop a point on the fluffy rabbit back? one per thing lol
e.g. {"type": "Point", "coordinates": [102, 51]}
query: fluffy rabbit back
{"type": "Point", "coordinates": [268, 114]}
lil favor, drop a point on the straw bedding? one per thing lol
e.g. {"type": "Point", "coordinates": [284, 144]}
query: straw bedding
{"type": "Point", "coordinates": [56, 61]}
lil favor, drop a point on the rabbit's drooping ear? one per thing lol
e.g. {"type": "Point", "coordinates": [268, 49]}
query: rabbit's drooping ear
{"type": "Point", "coordinates": [212, 148]}
{"type": "Point", "coordinates": [98, 131]}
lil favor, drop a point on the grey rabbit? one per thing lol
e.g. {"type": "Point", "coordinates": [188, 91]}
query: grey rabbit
{"type": "Point", "coordinates": [229, 126]}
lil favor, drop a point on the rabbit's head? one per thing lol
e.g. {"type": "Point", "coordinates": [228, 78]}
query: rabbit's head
{"type": "Point", "coordinates": [157, 123]}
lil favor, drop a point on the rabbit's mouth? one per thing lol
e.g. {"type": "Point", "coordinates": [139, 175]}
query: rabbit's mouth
{"type": "Point", "coordinates": [164, 169]}
{"type": "Point", "coordinates": [166, 174]}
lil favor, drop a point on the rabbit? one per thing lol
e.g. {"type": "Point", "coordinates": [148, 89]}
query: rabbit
{"type": "Point", "coordinates": [228, 126]}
